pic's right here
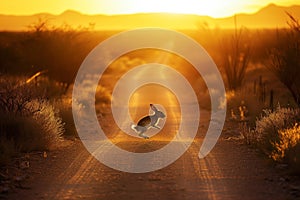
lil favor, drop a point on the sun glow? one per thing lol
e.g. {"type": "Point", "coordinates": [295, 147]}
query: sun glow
{"type": "Point", "coordinates": [213, 8]}
{"type": "Point", "coordinates": [200, 7]}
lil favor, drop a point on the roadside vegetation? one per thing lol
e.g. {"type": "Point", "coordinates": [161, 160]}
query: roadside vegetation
{"type": "Point", "coordinates": [267, 107]}
{"type": "Point", "coordinates": [38, 67]}
{"type": "Point", "coordinates": [28, 119]}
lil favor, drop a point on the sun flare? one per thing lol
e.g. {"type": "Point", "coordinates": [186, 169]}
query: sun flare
{"type": "Point", "coordinates": [214, 8]}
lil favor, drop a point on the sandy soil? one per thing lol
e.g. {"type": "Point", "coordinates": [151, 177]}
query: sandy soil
{"type": "Point", "coordinates": [232, 170]}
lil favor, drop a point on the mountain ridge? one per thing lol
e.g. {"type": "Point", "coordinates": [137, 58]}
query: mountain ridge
{"type": "Point", "coordinates": [270, 16]}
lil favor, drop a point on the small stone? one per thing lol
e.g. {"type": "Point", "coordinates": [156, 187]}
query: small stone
{"type": "Point", "coordinates": [45, 154]}
{"type": "Point", "coordinates": [281, 179]}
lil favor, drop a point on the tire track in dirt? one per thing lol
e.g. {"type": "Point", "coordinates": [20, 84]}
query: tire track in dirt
{"type": "Point", "coordinates": [230, 171]}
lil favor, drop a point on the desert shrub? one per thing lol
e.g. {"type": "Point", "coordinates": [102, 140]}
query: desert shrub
{"type": "Point", "coordinates": [64, 105]}
{"type": "Point", "coordinates": [287, 148]}
{"type": "Point", "coordinates": [13, 95]}
{"type": "Point", "coordinates": [60, 50]}
{"type": "Point", "coordinates": [285, 58]}
{"type": "Point", "coordinates": [277, 134]}
{"type": "Point", "coordinates": [27, 121]}
{"type": "Point", "coordinates": [38, 128]}
{"type": "Point", "coordinates": [30, 132]}
{"type": "Point", "coordinates": [243, 105]}
{"type": "Point", "coordinates": [45, 115]}
{"type": "Point", "coordinates": [235, 53]}
{"type": "Point", "coordinates": [267, 128]}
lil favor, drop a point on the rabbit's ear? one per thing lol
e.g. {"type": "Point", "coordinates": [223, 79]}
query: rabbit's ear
{"type": "Point", "coordinates": [153, 107]}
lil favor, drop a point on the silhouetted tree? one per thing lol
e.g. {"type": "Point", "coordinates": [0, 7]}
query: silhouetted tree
{"type": "Point", "coordinates": [285, 58]}
{"type": "Point", "coordinates": [59, 50]}
{"type": "Point", "coordinates": [235, 55]}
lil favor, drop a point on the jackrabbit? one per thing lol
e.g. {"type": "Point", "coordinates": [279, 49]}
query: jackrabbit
{"type": "Point", "coordinates": [148, 121]}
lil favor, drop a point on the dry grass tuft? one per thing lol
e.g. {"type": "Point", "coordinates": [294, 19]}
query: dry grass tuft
{"type": "Point", "coordinates": [27, 120]}
{"type": "Point", "coordinates": [277, 134]}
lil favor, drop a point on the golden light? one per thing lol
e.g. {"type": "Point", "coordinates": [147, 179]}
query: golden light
{"type": "Point", "coordinates": [215, 8]}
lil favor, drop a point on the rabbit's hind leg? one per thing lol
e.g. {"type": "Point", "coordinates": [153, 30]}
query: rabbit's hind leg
{"type": "Point", "coordinates": [143, 136]}
{"type": "Point", "coordinates": [142, 130]}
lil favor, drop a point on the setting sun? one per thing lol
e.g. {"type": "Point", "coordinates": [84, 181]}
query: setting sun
{"type": "Point", "coordinates": [204, 7]}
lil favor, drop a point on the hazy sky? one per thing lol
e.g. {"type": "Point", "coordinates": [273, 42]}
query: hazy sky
{"type": "Point", "coordinates": [215, 8]}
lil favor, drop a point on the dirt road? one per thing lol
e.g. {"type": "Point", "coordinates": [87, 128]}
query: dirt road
{"type": "Point", "coordinates": [231, 171]}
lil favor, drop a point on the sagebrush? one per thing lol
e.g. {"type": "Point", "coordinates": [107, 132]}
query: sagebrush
{"type": "Point", "coordinates": [28, 121]}
{"type": "Point", "coordinates": [277, 134]}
